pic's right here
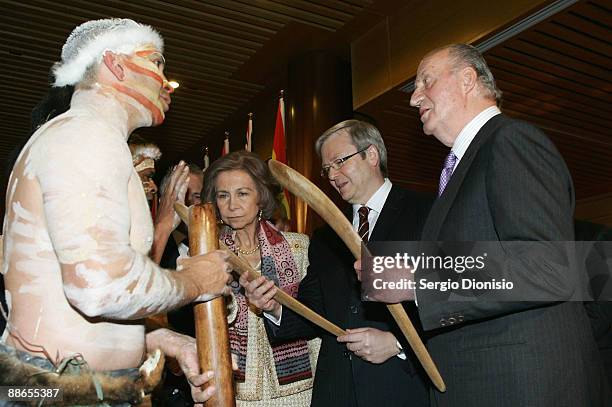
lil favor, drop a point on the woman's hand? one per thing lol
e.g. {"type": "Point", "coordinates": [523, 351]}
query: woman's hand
{"type": "Point", "coordinates": [260, 292]}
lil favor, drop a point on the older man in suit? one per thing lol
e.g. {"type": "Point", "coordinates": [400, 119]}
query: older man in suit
{"type": "Point", "coordinates": [369, 364]}
{"type": "Point", "coordinates": [503, 180]}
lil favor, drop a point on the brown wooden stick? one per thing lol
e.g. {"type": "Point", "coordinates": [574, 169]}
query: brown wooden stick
{"type": "Point", "coordinates": [317, 200]}
{"type": "Point", "coordinates": [242, 266]}
{"type": "Point", "coordinates": [212, 335]}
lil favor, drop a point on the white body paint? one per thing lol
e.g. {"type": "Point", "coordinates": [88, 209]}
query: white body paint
{"type": "Point", "coordinates": [77, 233]}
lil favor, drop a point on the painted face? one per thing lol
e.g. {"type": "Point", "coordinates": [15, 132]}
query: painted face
{"type": "Point", "coordinates": [192, 197]}
{"type": "Point", "coordinates": [356, 179]}
{"type": "Point", "coordinates": [145, 82]}
{"type": "Point", "coordinates": [439, 98]}
{"type": "Point", "coordinates": [237, 198]}
{"type": "Point", "coordinates": [146, 177]}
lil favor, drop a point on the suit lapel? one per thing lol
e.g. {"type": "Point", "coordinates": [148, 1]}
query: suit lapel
{"type": "Point", "coordinates": [442, 205]}
{"type": "Point", "coordinates": [388, 216]}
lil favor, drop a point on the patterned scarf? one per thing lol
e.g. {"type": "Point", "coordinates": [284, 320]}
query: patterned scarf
{"type": "Point", "coordinates": [291, 359]}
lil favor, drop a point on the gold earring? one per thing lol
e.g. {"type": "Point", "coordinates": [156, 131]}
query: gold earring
{"type": "Point", "coordinates": [260, 215]}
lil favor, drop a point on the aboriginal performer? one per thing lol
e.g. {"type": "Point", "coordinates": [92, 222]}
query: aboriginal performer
{"type": "Point", "coordinates": [77, 228]}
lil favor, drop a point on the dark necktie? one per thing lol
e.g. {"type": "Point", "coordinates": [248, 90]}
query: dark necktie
{"type": "Point", "coordinates": [364, 226]}
{"type": "Point", "coordinates": [447, 171]}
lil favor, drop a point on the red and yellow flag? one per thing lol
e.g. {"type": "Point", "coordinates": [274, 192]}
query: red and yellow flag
{"type": "Point", "coordinates": [279, 147]}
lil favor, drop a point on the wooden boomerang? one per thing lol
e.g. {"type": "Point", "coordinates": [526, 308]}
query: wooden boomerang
{"type": "Point", "coordinates": [317, 200]}
{"type": "Point", "coordinates": [242, 266]}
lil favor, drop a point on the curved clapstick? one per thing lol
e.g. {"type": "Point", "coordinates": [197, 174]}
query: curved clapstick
{"type": "Point", "coordinates": [182, 211]}
{"type": "Point", "coordinates": [241, 266]}
{"type": "Point", "coordinates": [317, 200]}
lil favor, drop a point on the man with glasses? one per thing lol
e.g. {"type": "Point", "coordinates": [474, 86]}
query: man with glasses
{"type": "Point", "coordinates": [369, 363]}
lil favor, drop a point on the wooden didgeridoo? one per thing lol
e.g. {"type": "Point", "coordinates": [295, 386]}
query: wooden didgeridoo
{"type": "Point", "coordinates": [212, 337]}
{"type": "Point", "coordinates": [242, 266]}
{"type": "Point", "coordinates": [321, 204]}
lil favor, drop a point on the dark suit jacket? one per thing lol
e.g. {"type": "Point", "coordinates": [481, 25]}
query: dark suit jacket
{"type": "Point", "coordinates": [598, 262]}
{"type": "Point", "coordinates": [331, 289]}
{"type": "Point", "coordinates": [511, 185]}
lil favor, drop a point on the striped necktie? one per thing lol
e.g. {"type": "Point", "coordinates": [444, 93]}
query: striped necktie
{"type": "Point", "coordinates": [364, 225]}
{"type": "Point", "coordinates": [447, 171]}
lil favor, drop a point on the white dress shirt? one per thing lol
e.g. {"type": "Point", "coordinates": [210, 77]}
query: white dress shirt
{"type": "Point", "coordinates": [375, 203]}
{"type": "Point", "coordinates": [467, 134]}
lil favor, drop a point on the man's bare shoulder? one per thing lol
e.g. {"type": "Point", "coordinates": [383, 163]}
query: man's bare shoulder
{"type": "Point", "coordinates": [74, 138]}
{"type": "Point", "coordinates": [72, 127]}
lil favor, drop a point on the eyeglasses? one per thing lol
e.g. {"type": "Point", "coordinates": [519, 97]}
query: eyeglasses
{"type": "Point", "coordinates": [339, 162]}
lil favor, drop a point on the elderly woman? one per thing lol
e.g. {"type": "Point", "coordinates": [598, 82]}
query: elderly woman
{"type": "Point", "coordinates": [244, 191]}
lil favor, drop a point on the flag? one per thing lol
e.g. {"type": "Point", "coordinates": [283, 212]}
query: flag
{"type": "Point", "coordinates": [249, 132]}
{"type": "Point", "coordinates": [225, 149]}
{"type": "Point", "coordinates": [279, 147]}
{"type": "Point", "coordinates": [206, 159]}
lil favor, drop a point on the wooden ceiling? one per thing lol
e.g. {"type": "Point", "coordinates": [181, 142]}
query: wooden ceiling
{"type": "Point", "coordinates": [556, 74]}
{"type": "Point", "coordinates": [225, 53]}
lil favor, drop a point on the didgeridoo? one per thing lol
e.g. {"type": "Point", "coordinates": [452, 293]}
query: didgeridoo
{"type": "Point", "coordinates": [212, 337]}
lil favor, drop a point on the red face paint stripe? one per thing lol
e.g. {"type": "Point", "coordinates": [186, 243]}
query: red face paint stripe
{"type": "Point", "coordinates": [144, 71]}
{"type": "Point", "coordinates": [145, 53]}
{"type": "Point", "coordinates": [158, 118]}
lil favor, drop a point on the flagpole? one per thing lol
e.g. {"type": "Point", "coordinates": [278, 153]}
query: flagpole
{"type": "Point", "coordinates": [226, 145]}
{"type": "Point", "coordinates": [282, 104]}
{"type": "Point", "coordinates": [249, 133]}
{"type": "Point", "coordinates": [206, 159]}
{"type": "Point", "coordinates": [279, 147]}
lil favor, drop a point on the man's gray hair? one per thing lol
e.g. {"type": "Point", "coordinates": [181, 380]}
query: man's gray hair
{"type": "Point", "coordinates": [363, 134]}
{"type": "Point", "coordinates": [464, 55]}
